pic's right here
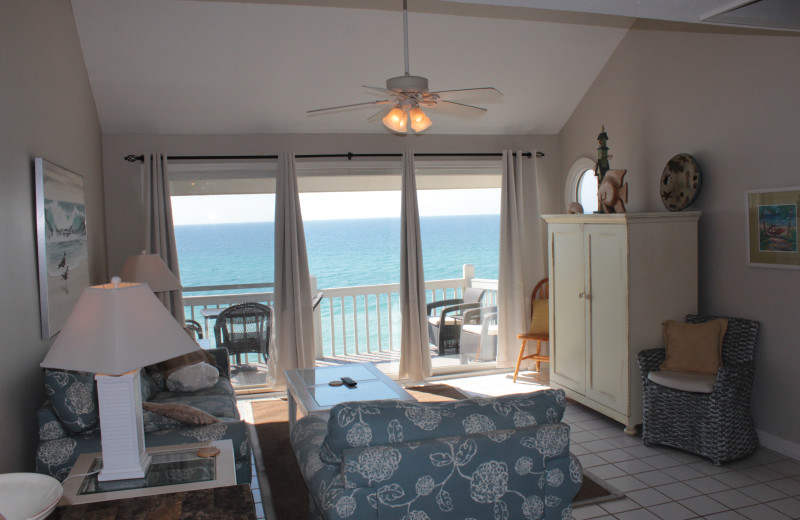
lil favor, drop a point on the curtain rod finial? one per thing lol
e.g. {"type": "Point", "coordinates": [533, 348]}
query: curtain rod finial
{"type": "Point", "coordinates": [134, 158]}
{"type": "Point", "coordinates": [539, 155]}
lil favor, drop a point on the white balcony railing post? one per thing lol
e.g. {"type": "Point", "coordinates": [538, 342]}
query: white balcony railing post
{"type": "Point", "coordinates": [469, 274]}
{"type": "Point", "coordinates": [317, 321]}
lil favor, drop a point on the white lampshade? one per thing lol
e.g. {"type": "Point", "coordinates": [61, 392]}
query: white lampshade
{"type": "Point", "coordinates": [115, 328]}
{"type": "Point", "coordinates": [152, 270]}
{"type": "Point", "coordinates": [395, 120]}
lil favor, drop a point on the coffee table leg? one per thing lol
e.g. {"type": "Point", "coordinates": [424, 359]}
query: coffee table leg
{"type": "Point", "coordinates": [292, 410]}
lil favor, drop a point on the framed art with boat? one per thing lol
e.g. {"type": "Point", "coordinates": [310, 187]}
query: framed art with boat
{"type": "Point", "coordinates": [772, 228]}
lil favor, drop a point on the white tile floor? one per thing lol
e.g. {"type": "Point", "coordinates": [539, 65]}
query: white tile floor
{"type": "Point", "coordinates": [659, 483]}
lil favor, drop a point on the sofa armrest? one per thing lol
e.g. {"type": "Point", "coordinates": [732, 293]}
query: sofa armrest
{"type": "Point", "coordinates": [50, 427]}
{"type": "Point", "coordinates": [324, 479]}
{"type": "Point", "coordinates": [526, 472]}
{"type": "Point", "coordinates": [222, 360]}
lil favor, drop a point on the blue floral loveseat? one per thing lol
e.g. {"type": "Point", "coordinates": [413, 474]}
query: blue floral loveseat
{"type": "Point", "coordinates": [500, 458]}
{"type": "Point", "coordinates": [69, 422]}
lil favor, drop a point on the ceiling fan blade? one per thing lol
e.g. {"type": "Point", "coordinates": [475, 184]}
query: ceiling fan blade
{"type": "Point", "coordinates": [379, 114]}
{"type": "Point", "coordinates": [385, 91]}
{"type": "Point", "coordinates": [481, 95]}
{"type": "Point", "coordinates": [460, 110]}
{"type": "Point", "coordinates": [353, 105]}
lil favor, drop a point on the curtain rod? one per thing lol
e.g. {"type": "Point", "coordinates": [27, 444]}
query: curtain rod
{"type": "Point", "coordinates": [348, 155]}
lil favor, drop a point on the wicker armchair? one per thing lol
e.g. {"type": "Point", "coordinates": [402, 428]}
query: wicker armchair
{"type": "Point", "coordinates": [444, 329]}
{"type": "Point", "coordinates": [243, 329]}
{"type": "Point", "coordinates": [717, 425]}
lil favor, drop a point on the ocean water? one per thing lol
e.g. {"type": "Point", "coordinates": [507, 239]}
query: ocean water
{"type": "Point", "coordinates": [342, 253]}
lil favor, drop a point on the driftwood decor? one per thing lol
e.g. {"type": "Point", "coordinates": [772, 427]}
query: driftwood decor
{"type": "Point", "coordinates": [613, 193]}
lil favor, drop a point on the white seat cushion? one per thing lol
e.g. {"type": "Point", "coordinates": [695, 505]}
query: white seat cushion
{"type": "Point", "coordinates": [472, 329]}
{"type": "Point", "coordinates": [685, 381]}
{"type": "Point", "coordinates": [491, 330]}
{"type": "Point", "coordinates": [434, 320]}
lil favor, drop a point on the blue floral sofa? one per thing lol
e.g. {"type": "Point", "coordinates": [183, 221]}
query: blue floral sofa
{"type": "Point", "coordinates": [69, 420]}
{"type": "Point", "coordinates": [501, 458]}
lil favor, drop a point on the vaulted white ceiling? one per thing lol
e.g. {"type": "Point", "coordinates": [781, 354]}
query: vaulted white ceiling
{"type": "Point", "coordinates": [257, 66]}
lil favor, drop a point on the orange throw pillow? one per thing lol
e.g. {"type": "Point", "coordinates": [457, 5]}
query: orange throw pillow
{"type": "Point", "coordinates": [694, 347]}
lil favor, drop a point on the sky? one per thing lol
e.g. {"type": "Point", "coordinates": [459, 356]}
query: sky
{"type": "Point", "coordinates": [220, 209]}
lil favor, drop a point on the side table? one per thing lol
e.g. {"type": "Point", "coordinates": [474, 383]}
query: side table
{"type": "Point", "coordinates": [173, 469]}
{"type": "Point", "coordinates": [223, 503]}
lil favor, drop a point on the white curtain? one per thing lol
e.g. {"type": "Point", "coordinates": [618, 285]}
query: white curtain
{"type": "Point", "coordinates": [293, 320]}
{"type": "Point", "coordinates": [415, 354]}
{"type": "Point", "coordinates": [159, 230]}
{"type": "Point", "coordinates": [511, 318]}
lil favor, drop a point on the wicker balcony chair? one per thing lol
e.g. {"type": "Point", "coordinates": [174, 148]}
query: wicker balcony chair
{"type": "Point", "coordinates": [194, 328]}
{"type": "Point", "coordinates": [244, 328]}
{"type": "Point", "coordinates": [444, 329]}
{"type": "Point", "coordinates": [716, 424]}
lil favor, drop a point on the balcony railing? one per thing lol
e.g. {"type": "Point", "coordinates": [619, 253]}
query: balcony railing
{"type": "Point", "coordinates": [349, 320]}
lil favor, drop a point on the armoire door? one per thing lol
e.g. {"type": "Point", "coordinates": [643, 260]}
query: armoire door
{"type": "Point", "coordinates": [606, 283]}
{"type": "Point", "coordinates": [567, 316]}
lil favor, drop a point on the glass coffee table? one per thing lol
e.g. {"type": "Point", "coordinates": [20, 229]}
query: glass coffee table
{"type": "Point", "coordinates": [309, 391]}
{"type": "Point", "coordinates": [173, 468]}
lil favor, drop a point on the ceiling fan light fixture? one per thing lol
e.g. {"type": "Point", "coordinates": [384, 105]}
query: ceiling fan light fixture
{"type": "Point", "coordinates": [419, 120]}
{"type": "Point", "coordinates": [406, 94]}
{"type": "Point", "coordinates": [396, 120]}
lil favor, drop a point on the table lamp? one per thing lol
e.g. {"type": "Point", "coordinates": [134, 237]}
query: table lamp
{"type": "Point", "coordinates": [152, 270]}
{"type": "Point", "coordinates": [114, 330]}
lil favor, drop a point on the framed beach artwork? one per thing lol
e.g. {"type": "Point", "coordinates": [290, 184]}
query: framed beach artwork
{"type": "Point", "coordinates": [772, 228]}
{"type": "Point", "coordinates": [63, 251]}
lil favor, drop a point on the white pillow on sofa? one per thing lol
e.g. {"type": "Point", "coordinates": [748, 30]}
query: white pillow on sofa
{"type": "Point", "coordinates": [192, 378]}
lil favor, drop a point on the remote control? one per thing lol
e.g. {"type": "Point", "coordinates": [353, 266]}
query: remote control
{"type": "Point", "coordinates": [349, 382]}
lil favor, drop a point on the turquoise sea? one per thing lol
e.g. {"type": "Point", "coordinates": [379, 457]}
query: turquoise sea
{"type": "Point", "coordinates": [341, 253]}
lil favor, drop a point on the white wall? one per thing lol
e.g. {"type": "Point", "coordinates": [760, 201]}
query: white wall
{"type": "Point", "coordinates": [123, 179]}
{"type": "Point", "coordinates": [46, 110]}
{"type": "Point", "coordinates": [729, 98]}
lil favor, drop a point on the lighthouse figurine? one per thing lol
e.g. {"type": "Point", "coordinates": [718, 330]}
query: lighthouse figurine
{"type": "Point", "coordinates": [612, 192]}
{"type": "Point", "coordinates": [602, 156]}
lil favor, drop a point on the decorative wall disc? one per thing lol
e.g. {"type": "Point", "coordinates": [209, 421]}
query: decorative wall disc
{"type": "Point", "coordinates": [680, 182]}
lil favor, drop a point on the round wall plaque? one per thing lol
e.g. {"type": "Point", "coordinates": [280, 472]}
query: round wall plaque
{"type": "Point", "coordinates": [680, 182]}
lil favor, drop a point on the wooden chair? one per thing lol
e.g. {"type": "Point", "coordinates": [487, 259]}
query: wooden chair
{"type": "Point", "coordinates": [540, 326]}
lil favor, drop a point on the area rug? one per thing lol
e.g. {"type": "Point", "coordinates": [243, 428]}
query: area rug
{"type": "Point", "coordinates": [288, 489]}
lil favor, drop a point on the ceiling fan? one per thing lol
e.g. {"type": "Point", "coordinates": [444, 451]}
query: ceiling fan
{"type": "Point", "coordinates": [408, 94]}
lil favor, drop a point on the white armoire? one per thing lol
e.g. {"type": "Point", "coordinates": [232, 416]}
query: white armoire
{"type": "Point", "coordinates": [613, 280]}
